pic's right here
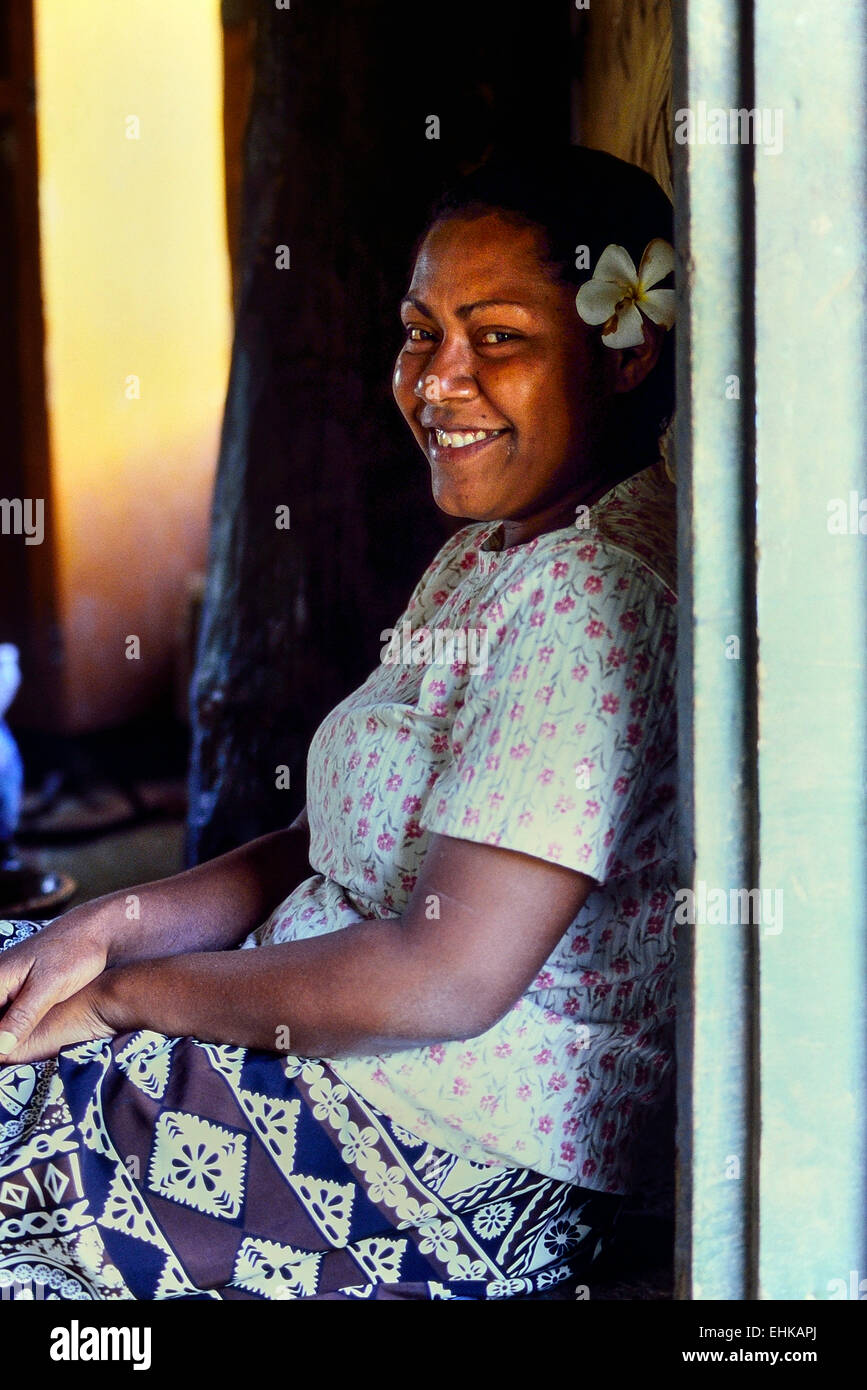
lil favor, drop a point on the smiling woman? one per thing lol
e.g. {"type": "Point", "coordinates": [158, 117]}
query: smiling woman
{"type": "Point", "coordinates": [476, 980]}
{"type": "Point", "coordinates": [486, 335]}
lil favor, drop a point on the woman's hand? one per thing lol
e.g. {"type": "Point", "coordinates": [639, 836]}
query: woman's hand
{"type": "Point", "coordinates": [75, 1020]}
{"type": "Point", "coordinates": [211, 907]}
{"type": "Point", "coordinates": [47, 969]}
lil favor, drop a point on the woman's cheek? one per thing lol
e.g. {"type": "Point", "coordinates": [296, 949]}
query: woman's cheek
{"type": "Point", "coordinates": [403, 383]}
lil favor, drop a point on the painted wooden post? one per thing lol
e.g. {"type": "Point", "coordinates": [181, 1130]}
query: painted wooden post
{"type": "Point", "coordinates": [811, 351]}
{"type": "Point", "coordinates": [771, 471]}
{"type": "Point", "coordinates": [717, 1045]}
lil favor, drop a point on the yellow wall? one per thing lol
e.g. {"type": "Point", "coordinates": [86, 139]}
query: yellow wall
{"type": "Point", "coordinates": [135, 282]}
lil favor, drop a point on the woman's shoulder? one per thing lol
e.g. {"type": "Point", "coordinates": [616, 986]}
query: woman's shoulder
{"type": "Point", "coordinates": [627, 541]}
{"type": "Point", "coordinates": [638, 518]}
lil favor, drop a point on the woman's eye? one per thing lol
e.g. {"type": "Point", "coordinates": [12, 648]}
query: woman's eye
{"type": "Point", "coordinates": [414, 334]}
{"type": "Point", "coordinates": [498, 335]}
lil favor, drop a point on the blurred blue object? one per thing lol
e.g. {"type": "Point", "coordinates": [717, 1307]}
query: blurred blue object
{"type": "Point", "coordinates": [11, 766]}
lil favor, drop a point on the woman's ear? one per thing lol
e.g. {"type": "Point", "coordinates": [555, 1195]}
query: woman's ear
{"type": "Point", "coordinates": [634, 363]}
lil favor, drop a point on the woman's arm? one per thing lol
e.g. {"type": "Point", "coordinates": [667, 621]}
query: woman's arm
{"type": "Point", "coordinates": [480, 923]}
{"type": "Point", "coordinates": [209, 908]}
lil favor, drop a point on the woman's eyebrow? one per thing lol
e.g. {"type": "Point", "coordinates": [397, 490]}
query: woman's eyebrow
{"type": "Point", "coordinates": [416, 304]}
{"type": "Point", "coordinates": [465, 310]}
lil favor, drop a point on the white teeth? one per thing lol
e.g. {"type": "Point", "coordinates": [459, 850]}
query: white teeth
{"type": "Point", "coordinates": [456, 440]}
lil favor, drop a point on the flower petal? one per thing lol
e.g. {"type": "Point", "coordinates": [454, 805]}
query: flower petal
{"type": "Point", "coordinates": [630, 329]}
{"type": "Point", "coordinates": [616, 264]}
{"type": "Point", "coordinates": [597, 299]}
{"type": "Point", "coordinates": [656, 263]}
{"type": "Point", "coordinates": [659, 305]}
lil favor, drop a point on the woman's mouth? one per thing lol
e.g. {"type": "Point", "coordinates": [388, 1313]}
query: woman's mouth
{"type": "Point", "coordinates": [443, 442]}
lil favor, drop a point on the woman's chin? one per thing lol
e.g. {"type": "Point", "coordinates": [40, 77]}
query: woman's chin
{"type": "Point", "coordinates": [471, 508]}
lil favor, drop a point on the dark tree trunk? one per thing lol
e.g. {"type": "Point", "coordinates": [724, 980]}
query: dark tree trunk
{"type": "Point", "coordinates": [339, 170]}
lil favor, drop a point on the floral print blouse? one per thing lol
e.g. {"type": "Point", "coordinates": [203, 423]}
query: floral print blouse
{"type": "Point", "coordinates": [560, 744]}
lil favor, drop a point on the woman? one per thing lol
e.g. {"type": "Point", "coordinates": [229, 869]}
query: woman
{"type": "Point", "coordinates": [424, 1074]}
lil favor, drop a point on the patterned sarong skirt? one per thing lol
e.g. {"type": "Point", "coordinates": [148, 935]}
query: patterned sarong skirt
{"type": "Point", "coordinates": [149, 1167]}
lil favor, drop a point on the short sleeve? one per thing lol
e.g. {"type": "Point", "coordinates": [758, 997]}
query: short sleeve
{"type": "Point", "coordinates": [560, 743]}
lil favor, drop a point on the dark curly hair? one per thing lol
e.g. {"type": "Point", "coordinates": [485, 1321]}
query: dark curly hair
{"type": "Point", "coordinates": [576, 197]}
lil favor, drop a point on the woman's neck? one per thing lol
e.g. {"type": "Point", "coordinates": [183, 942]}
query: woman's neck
{"type": "Point", "coordinates": [561, 512]}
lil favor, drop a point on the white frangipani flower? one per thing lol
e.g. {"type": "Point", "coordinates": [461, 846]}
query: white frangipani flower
{"type": "Point", "coordinates": [618, 294]}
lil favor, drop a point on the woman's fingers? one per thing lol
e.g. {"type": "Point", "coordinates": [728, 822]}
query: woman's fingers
{"type": "Point", "coordinates": [38, 993]}
{"type": "Point", "coordinates": [33, 981]}
{"type": "Point", "coordinates": [14, 969]}
{"type": "Point", "coordinates": [72, 1020]}
{"type": "Point", "coordinates": [29, 1004]}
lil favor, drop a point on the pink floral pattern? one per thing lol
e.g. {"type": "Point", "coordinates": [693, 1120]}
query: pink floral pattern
{"type": "Point", "coordinates": [562, 748]}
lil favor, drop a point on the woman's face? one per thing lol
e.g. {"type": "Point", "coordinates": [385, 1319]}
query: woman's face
{"type": "Point", "coordinates": [500, 381]}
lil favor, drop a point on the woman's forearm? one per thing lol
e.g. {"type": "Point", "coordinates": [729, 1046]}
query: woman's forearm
{"type": "Point", "coordinates": [369, 988]}
{"type": "Point", "coordinates": [478, 926]}
{"type": "Point", "coordinates": [211, 907]}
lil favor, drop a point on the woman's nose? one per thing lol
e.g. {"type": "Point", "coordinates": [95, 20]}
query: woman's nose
{"type": "Point", "coordinates": [448, 375]}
